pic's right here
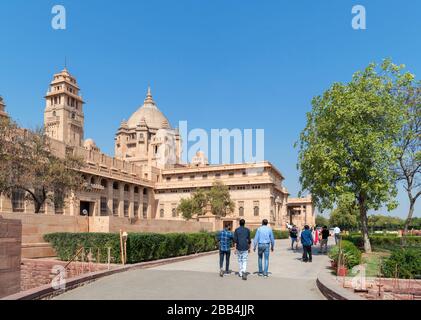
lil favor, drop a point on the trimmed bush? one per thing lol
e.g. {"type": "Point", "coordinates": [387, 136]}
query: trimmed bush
{"type": "Point", "coordinates": [352, 255]}
{"type": "Point", "coordinates": [403, 263]}
{"type": "Point", "coordinates": [140, 246]}
{"type": "Point", "coordinates": [384, 241]}
{"type": "Point", "coordinates": [277, 234]}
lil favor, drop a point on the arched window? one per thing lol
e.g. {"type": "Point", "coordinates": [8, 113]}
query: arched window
{"type": "Point", "coordinates": [145, 191]}
{"type": "Point", "coordinates": [115, 185]}
{"type": "Point", "coordinates": [161, 213]}
{"type": "Point", "coordinates": [18, 200]}
{"type": "Point", "coordinates": [93, 180]}
{"type": "Point", "coordinates": [174, 212]}
{"type": "Point", "coordinates": [136, 189]}
{"type": "Point", "coordinates": [104, 183]}
{"type": "Point", "coordinates": [256, 208]}
{"type": "Point", "coordinates": [126, 187]}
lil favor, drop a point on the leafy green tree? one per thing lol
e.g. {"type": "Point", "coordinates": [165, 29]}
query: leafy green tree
{"type": "Point", "coordinates": [220, 199]}
{"type": "Point", "coordinates": [217, 196]}
{"type": "Point", "coordinates": [348, 145]}
{"type": "Point", "coordinates": [321, 220]}
{"type": "Point", "coordinates": [194, 205]}
{"type": "Point", "coordinates": [408, 168]}
{"type": "Point", "coordinates": [384, 222]}
{"type": "Point", "coordinates": [345, 215]}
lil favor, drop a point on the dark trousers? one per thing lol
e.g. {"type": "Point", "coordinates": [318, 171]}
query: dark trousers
{"type": "Point", "coordinates": [307, 253]}
{"type": "Point", "coordinates": [223, 254]}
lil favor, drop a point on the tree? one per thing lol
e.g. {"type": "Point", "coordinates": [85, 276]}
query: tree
{"type": "Point", "coordinates": [29, 164]}
{"type": "Point", "coordinates": [321, 220]}
{"type": "Point", "coordinates": [348, 145]}
{"type": "Point", "coordinates": [383, 222]}
{"type": "Point", "coordinates": [408, 168]}
{"type": "Point", "coordinates": [194, 205]}
{"type": "Point", "coordinates": [345, 215]}
{"type": "Point", "coordinates": [220, 199]}
{"type": "Point", "coordinates": [217, 196]}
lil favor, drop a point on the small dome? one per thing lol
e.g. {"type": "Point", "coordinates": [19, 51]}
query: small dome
{"type": "Point", "coordinates": [90, 144]}
{"type": "Point", "coordinates": [149, 114]}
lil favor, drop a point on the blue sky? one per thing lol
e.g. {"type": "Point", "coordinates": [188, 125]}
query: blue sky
{"type": "Point", "coordinates": [215, 63]}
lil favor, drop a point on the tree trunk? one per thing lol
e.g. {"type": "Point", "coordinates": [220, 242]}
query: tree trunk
{"type": "Point", "coordinates": [37, 206]}
{"type": "Point", "coordinates": [364, 225]}
{"type": "Point", "coordinates": [409, 218]}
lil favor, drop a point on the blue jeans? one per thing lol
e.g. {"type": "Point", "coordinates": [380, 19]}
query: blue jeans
{"type": "Point", "coordinates": [263, 249]}
{"type": "Point", "coordinates": [293, 240]}
{"type": "Point", "coordinates": [223, 254]}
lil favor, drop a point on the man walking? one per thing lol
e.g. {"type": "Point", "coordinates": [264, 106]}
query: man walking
{"type": "Point", "coordinates": [307, 242]}
{"type": "Point", "coordinates": [263, 239]}
{"type": "Point", "coordinates": [293, 233]}
{"type": "Point", "coordinates": [225, 238]}
{"type": "Point", "coordinates": [242, 242]}
{"type": "Point", "coordinates": [325, 237]}
{"type": "Point", "coordinates": [337, 232]}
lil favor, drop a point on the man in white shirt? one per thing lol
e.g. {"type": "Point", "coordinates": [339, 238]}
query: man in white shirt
{"type": "Point", "coordinates": [337, 232]}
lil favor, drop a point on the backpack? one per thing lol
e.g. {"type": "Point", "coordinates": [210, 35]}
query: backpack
{"type": "Point", "coordinates": [293, 233]}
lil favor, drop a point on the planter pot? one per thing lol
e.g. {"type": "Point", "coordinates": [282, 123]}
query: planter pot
{"type": "Point", "coordinates": [342, 271]}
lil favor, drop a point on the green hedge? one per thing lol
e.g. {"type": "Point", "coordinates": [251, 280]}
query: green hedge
{"type": "Point", "coordinates": [352, 255]}
{"type": "Point", "coordinates": [382, 241]}
{"type": "Point", "coordinates": [277, 234]}
{"type": "Point", "coordinates": [140, 246]}
{"type": "Point", "coordinates": [403, 263]}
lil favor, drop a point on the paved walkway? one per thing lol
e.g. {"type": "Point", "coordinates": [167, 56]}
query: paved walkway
{"type": "Point", "coordinates": [289, 278]}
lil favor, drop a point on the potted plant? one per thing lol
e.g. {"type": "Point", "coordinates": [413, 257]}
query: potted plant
{"type": "Point", "coordinates": [342, 271]}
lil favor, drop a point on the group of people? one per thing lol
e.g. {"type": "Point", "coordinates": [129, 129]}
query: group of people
{"type": "Point", "coordinates": [264, 242]}
{"type": "Point", "coordinates": [317, 236]}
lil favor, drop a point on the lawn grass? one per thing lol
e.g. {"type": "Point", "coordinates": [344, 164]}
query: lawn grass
{"type": "Point", "coordinates": [373, 262]}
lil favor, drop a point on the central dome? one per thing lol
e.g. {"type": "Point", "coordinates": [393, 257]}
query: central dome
{"type": "Point", "coordinates": [149, 112]}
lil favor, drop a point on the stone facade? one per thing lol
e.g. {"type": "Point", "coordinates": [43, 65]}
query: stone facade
{"type": "Point", "coordinates": [136, 188]}
{"type": "Point", "coordinates": [10, 256]}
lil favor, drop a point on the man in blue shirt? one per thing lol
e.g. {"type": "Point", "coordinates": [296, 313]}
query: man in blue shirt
{"type": "Point", "coordinates": [263, 239]}
{"type": "Point", "coordinates": [307, 242]}
{"type": "Point", "coordinates": [225, 238]}
{"type": "Point", "coordinates": [242, 241]}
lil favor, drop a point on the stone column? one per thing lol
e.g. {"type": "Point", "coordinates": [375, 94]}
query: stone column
{"type": "Point", "coordinates": [149, 197]}
{"type": "Point", "coordinates": [5, 204]}
{"type": "Point", "coordinates": [140, 199]}
{"type": "Point", "coordinates": [131, 201]}
{"type": "Point", "coordinates": [110, 193]}
{"type": "Point", "coordinates": [121, 200]}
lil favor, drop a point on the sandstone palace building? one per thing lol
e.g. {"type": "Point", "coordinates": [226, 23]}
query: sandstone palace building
{"type": "Point", "coordinates": [135, 188]}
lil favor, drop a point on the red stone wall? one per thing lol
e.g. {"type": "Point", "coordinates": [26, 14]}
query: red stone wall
{"type": "Point", "coordinates": [10, 256]}
{"type": "Point", "coordinates": [39, 272]}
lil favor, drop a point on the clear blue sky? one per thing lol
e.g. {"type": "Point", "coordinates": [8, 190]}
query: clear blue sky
{"type": "Point", "coordinates": [216, 63]}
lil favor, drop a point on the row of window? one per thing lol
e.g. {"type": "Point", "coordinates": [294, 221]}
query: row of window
{"type": "Point", "coordinates": [18, 202]}
{"type": "Point", "coordinates": [204, 176]}
{"type": "Point", "coordinates": [116, 185]}
{"type": "Point", "coordinates": [71, 102]}
{"type": "Point", "coordinates": [231, 188]}
{"type": "Point", "coordinates": [256, 208]}
{"type": "Point", "coordinates": [175, 213]}
{"type": "Point", "coordinates": [126, 206]}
